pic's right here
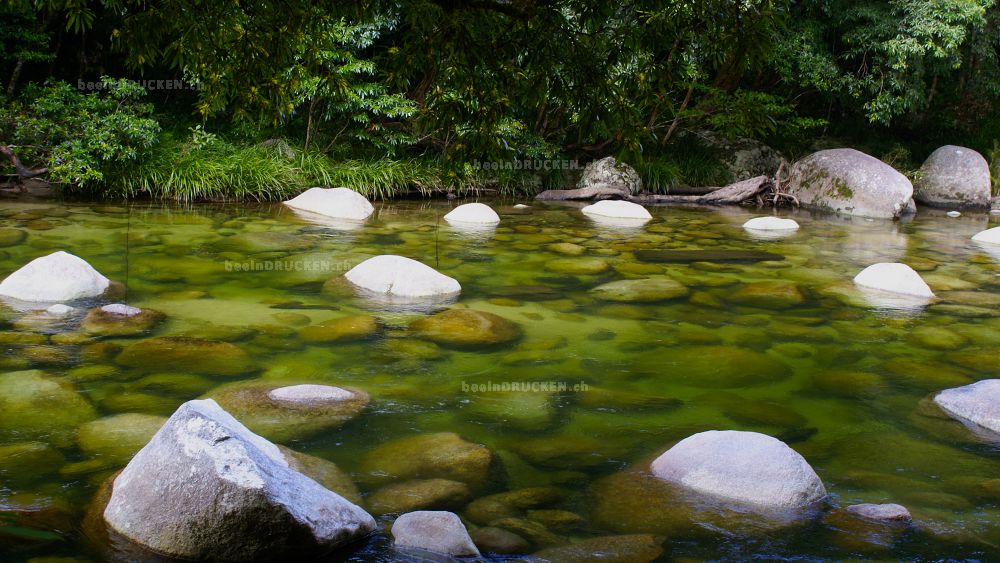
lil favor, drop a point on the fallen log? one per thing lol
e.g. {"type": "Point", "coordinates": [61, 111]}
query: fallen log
{"type": "Point", "coordinates": [600, 191]}
{"type": "Point", "coordinates": [733, 194]}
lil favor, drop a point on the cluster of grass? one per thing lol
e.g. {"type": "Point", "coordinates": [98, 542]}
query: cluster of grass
{"type": "Point", "coordinates": [218, 170]}
{"type": "Point", "coordinates": [683, 164]}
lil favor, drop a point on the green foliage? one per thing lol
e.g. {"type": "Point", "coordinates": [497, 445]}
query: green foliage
{"type": "Point", "coordinates": [683, 164]}
{"type": "Point", "coordinates": [80, 136]}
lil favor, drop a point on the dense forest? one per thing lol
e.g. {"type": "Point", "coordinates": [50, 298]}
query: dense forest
{"type": "Point", "coordinates": [258, 99]}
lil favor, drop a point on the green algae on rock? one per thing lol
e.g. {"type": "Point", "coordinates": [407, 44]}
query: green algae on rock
{"type": "Point", "coordinates": [183, 354]}
{"type": "Point", "coordinates": [466, 328]}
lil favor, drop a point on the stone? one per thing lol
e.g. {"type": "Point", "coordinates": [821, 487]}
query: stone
{"type": "Point", "coordinates": [635, 548]}
{"type": "Point", "coordinates": [577, 266]}
{"type": "Point", "coordinates": [183, 354]}
{"type": "Point", "coordinates": [647, 290]}
{"type": "Point", "coordinates": [419, 494]}
{"type": "Point", "coordinates": [168, 497]}
{"type": "Point", "coordinates": [27, 462]}
{"type": "Point", "coordinates": [324, 472]}
{"type": "Point", "coordinates": [881, 512]}
{"type": "Point", "coordinates": [847, 383]}
{"type": "Point", "coordinates": [435, 531]}
{"type": "Point", "coordinates": [989, 236]}
{"type": "Point", "coordinates": [443, 455]}
{"type": "Point", "coordinates": [497, 540]}
{"type": "Point", "coordinates": [60, 310]}
{"type": "Point", "coordinates": [978, 403]}
{"type": "Point", "coordinates": [466, 329]}
{"type": "Point", "coordinates": [399, 277]}
{"type": "Point", "coordinates": [34, 406]}
{"type": "Point", "coordinates": [851, 182]}
{"type": "Point", "coordinates": [609, 173]}
{"type": "Point", "coordinates": [60, 276]}
{"type": "Point", "coordinates": [712, 256]}
{"type": "Point", "coordinates": [746, 468]}
{"type": "Point", "coordinates": [523, 412]}
{"type": "Point", "coordinates": [567, 248]}
{"type": "Point", "coordinates": [339, 203]}
{"type": "Point", "coordinates": [894, 278]}
{"type": "Point", "coordinates": [536, 534]}
{"type": "Point", "coordinates": [713, 366]}
{"type": "Point", "coordinates": [511, 504]}
{"type": "Point", "coordinates": [344, 329]}
{"type": "Point", "coordinates": [282, 412]}
{"type": "Point", "coordinates": [11, 237]}
{"type": "Point", "coordinates": [617, 209]}
{"type": "Point", "coordinates": [771, 294]}
{"type": "Point", "coordinates": [937, 338]}
{"type": "Point", "coordinates": [117, 438]}
{"type": "Point", "coordinates": [556, 520]}
{"type": "Point", "coordinates": [473, 213]}
{"type": "Point", "coordinates": [120, 320]}
{"type": "Point", "coordinates": [770, 224]}
{"type": "Point", "coordinates": [954, 177]}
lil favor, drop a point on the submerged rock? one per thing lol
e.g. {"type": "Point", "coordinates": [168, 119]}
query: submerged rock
{"type": "Point", "coordinates": [60, 276]}
{"type": "Point", "coordinates": [954, 177]}
{"type": "Point", "coordinates": [282, 412]}
{"type": "Point", "coordinates": [34, 406]}
{"type": "Point", "coordinates": [978, 403]}
{"type": "Point", "coordinates": [497, 540]}
{"type": "Point", "coordinates": [444, 455]}
{"type": "Point", "coordinates": [716, 256]}
{"type": "Point", "coordinates": [399, 277]}
{"type": "Point", "coordinates": [120, 320]}
{"type": "Point", "coordinates": [435, 531]}
{"type": "Point", "coordinates": [881, 512]}
{"type": "Point", "coordinates": [182, 354]}
{"type": "Point", "coordinates": [618, 209]}
{"type": "Point", "coordinates": [466, 328]}
{"type": "Point", "coordinates": [27, 462]}
{"type": "Point", "coordinates": [577, 266]}
{"type": "Point", "coordinates": [512, 504]}
{"type": "Point", "coordinates": [713, 366]}
{"type": "Point", "coordinates": [419, 494]}
{"type": "Point", "coordinates": [167, 498]}
{"type": "Point", "coordinates": [473, 213]}
{"type": "Point", "coordinates": [324, 472]}
{"type": "Point", "coordinates": [640, 291]}
{"type": "Point", "coordinates": [637, 548]}
{"type": "Point", "coordinates": [118, 437]}
{"type": "Point", "coordinates": [771, 294]}
{"type": "Point", "coordinates": [851, 182]}
{"type": "Point", "coordinates": [339, 203]}
{"type": "Point", "coordinates": [344, 329]}
{"type": "Point", "coordinates": [894, 278]}
{"type": "Point", "coordinates": [11, 237]}
{"type": "Point", "coordinates": [742, 467]}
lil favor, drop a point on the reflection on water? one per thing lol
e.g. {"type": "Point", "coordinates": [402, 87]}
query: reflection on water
{"type": "Point", "coordinates": [788, 347]}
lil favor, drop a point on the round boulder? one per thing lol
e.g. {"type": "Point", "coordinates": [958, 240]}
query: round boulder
{"type": "Point", "coordinates": [282, 412]}
{"type": "Point", "coordinates": [35, 406]}
{"type": "Point", "coordinates": [466, 328]}
{"type": "Point", "coordinates": [850, 182]}
{"type": "Point", "coordinates": [345, 329]}
{"type": "Point", "coordinates": [954, 177]}
{"type": "Point", "coordinates": [400, 277]}
{"type": "Point", "coordinates": [435, 531]}
{"type": "Point", "coordinates": [770, 224]}
{"type": "Point", "coordinates": [742, 467]}
{"type": "Point", "coordinates": [473, 213]}
{"type": "Point", "coordinates": [190, 355]}
{"type": "Point", "coordinates": [640, 291]}
{"type": "Point", "coordinates": [609, 173]}
{"type": "Point", "coordinates": [881, 512]}
{"type": "Point", "coordinates": [989, 236]}
{"type": "Point", "coordinates": [978, 403]}
{"type": "Point", "coordinates": [120, 320]}
{"type": "Point", "coordinates": [444, 455]}
{"type": "Point", "coordinates": [339, 203]}
{"type": "Point", "coordinates": [60, 276]}
{"type": "Point", "coordinates": [894, 277]}
{"type": "Point", "coordinates": [617, 209]}
{"type": "Point", "coordinates": [118, 437]}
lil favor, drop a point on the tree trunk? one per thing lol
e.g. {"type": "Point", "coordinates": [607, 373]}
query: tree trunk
{"type": "Point", "coordinates": [733, 194]}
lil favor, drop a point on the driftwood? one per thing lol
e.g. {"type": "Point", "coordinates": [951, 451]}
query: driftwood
{"type": "Point", "coordinates": [22, 171]}
{"type": "Point", "coordinates": [600, 191]}
{"type": "Point", "coordinates": [733, 194]}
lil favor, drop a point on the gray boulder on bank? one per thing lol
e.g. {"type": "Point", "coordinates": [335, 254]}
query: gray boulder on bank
{"type": "Point", "coordinates": [742, 467]}
{"type": "Point", "coordinates": [207, 488]}
{"type": "Point", "coordinates": [604, 178]}
{"type": "Point", "coordinates": [954, 177]}
{"type": "Point", "coordinates": [850, 182]}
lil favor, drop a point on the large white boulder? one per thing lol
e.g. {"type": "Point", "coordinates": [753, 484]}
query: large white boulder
{"type": "Point", "coordinates": [60, 276]}
{"type": "Point", "coordinates": [397, 276]}
{"type": "Point", "coordinates": [894, 277]}
{"type": "Point", "coordinates": [207, 488]}
{"type": "Point", "coordinates": [989, 236]}
{"type": "Point", "coordinates": [850, 182]}
{"type": "Point", "coordinates": [339, 203]}
{"type": "Point", "coordinates": [742, 467]}
{"type": "Point", "coordinates": [435, 531]}
{"type": "Point", "coordinates": [617, 209]}
{"type": "Point", "coordinates": [770, 224]}
{"type": "Point", "coordinates": [978, 403]}
{"type": "Point", "coordinates": [954, 177]}
{"type": "Point", "coordinates": [474, 214]}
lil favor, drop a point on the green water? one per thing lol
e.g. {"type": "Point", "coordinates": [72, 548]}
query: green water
{"type": "Point", "coordinates": [784, 347]}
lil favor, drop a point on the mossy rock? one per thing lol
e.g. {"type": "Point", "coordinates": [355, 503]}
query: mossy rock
{"type": "Point", "coordinates": [523, 412]}
{"type": "Point", "coordinates": [344, 329]}
{"type": "Point", "coordinates": [567, 248]}
{"type": "Point", "coordinates": [497, 540]}
{"type": "Point", "coordinates": [713, 366]}
{"type": "Point", "coordinates": [118, 437]}
{"type": "Point", "coordinates": [846, 383]}
{"type": "Point", "coordinates": [101, 322]}
{"type": "Point", "coordinates": [772, 294]}
{"type": "Point", "coordinates": [419, 494]}
{"type": "Point", "coordinates": [283, 411]}
{"type": "Point", "coordinates": [466, 328]}
{"type": "Point", "coordinates": [11, 237]}
{"type": "Point", "coordinates": [34, 406]}
{"type": "Point", "coordinates": [648, 290]}
{"type": "Point", "coordinates": [444, 455]}
{"type": "Point", "coordinates": [632, 548]}
{"type": "Point", "coordinates": [577, 266]}
{"type": "Point", "coordinates": [183, 354]}
{"type": "Point", "coordinates": [569, 452]}
{"type": "Point", "coordinates": [24, 463]}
